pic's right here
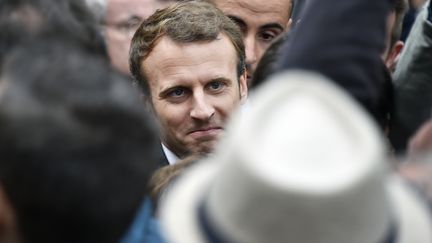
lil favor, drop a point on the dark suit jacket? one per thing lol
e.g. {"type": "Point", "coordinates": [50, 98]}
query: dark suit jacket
{"type": "Point", "coordinates": [163, 161]}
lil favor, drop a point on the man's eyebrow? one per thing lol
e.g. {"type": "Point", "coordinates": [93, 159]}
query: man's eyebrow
{"type": "Point", "coordinates": [272, 26]}
{"type": "Point", "coordinates": [237, 20]}
{"type": "Point", "coordinates": [224, 80]}
{"type": "Point", "coordinates": [221, 79]}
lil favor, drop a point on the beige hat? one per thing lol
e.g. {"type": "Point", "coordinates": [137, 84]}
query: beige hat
{"type": "Point", "coordinates": [305, 164]}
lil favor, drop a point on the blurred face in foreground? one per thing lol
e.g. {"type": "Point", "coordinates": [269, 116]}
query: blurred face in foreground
{"type": "Point", "coordinates": [194, 87]}
{"type": "Point", "coordinates": [260, 22]}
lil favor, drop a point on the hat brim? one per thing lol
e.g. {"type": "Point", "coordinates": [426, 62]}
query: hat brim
{"type": "Point", "coordinates": [412, 216]}
{"type": "Point", "coordinates": [180, 224]}
{"type": "Point", "coordinates": [178, 210]}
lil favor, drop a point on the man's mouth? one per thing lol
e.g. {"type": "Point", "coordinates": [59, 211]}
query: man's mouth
{"type": "Point", "coordinates": [206, 133]}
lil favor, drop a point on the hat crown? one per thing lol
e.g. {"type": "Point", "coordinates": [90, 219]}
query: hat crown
{"type": "Point", "coordinates": [309, 154]}
{"type": "Point", "coordinates": [297, 156]}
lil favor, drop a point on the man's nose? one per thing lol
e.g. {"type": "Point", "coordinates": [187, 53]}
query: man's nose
{"type": "Point", "coordinates": [202, 108]}
{"type": "Point", "coordinates": [250, 48]}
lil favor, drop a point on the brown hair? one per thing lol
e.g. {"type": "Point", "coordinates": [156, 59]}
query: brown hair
{"type": "Point", "coordinates": [184, 22]}
{"type": "Point", "coordinates": [165, 175]}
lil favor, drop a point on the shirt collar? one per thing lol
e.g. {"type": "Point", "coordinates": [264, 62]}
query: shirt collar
{"type": "Point", "coordinates": [171, 157]}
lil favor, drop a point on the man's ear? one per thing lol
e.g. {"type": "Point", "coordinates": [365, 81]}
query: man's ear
{"type": "Point", "coordinates": [243, 86]}
{"type": "Point", "coordinates": [393, 55]}
{"type": "Point", "coordinates": [8, 227]}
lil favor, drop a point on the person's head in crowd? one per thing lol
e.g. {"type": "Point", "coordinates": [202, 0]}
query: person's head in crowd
{"type": "Point", "coordinates": [189, 62]}
{"type": "Point", "coordinates": [280, 176]}
{"type": "Point", "coordinates": [76, 147]}
{"type": "Point", "coordinates": [260, 22]}
{"type": "Point", "coordinates": [393, 45]}
{"type": "Point", "coordinates": [23, 20]}
{"type": "Point", "coordinates": [120, 19]}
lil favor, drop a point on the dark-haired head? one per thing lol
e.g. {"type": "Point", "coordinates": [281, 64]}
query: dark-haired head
{"type": "Point", "coordinates": [76, 147]}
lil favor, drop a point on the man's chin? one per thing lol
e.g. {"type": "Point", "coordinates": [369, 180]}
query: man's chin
{"type": "Point", "coordinates": [204, 148]}
{"type": "Point", "coordinates": [202, 143]}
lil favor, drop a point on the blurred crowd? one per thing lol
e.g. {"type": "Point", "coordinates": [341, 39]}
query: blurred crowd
{"type": "Point", "coordinates": [215, 121]}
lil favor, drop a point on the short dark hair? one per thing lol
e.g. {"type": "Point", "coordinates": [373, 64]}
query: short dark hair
{"type": "Point", "coordinates": [184, 22]}
{"type": "Point", "coordinates": [76, 147]}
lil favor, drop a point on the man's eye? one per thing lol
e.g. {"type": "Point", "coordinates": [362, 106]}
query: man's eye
{"type": "Point", "coordinates": [129, 26]}
{"type": "Point", "coordinates": [178, 92]}
{"type": "Point", "coordinates": [268, 36]}
{"type": "Point", "coordinates": [216, 85]}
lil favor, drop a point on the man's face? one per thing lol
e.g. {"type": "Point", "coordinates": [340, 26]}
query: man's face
{"type": "Point", "coordinates": [122, 20]}
{"type": "Point", "coordinates": [260, 21]}
{"type": "Point", "coordinates": [194, 88]}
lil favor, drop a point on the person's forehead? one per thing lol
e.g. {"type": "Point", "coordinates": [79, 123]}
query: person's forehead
{"type": "Point", "coordinates": [270, 10]}
{"type": "Point", "coordinates": [166, 47]}
{"type": "Point", "coordinates": [173, 60]}
{"type": "Point", "coordinates": [125, 8]}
